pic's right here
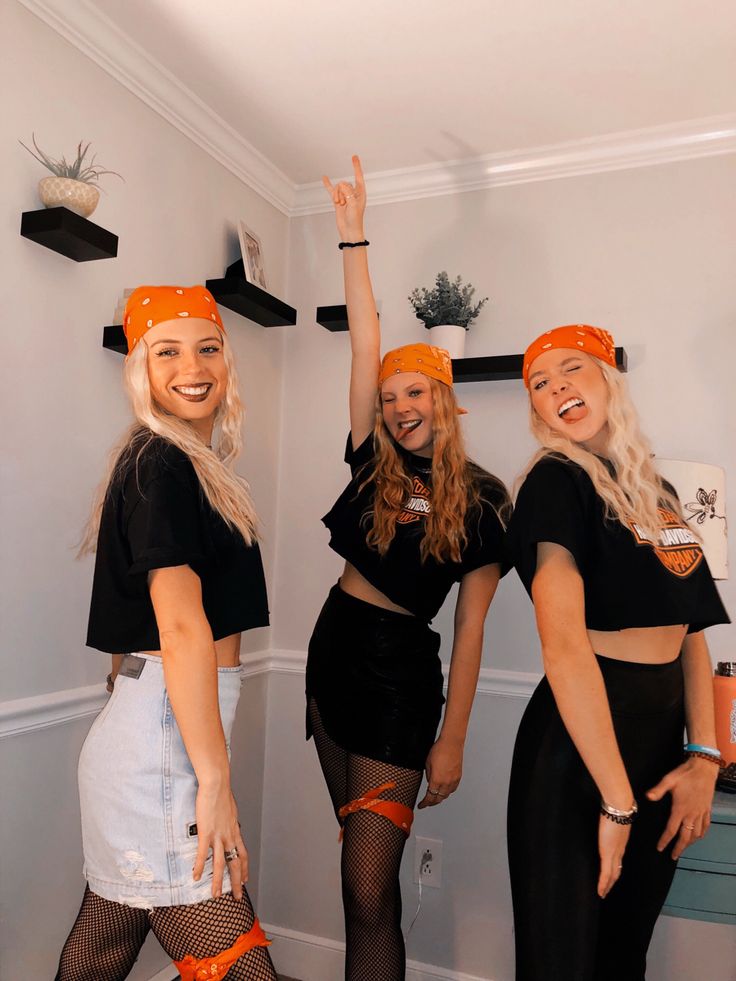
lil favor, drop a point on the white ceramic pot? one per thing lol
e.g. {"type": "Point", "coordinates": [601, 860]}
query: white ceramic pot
{"type": "Point", "coordinates": [64, 192]}
{"type": "Point", "coordinates": [450, 337]}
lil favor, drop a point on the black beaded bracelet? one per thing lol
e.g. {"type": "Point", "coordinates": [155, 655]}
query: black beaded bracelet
{"type": "Point", "coordinates": [351, 245]}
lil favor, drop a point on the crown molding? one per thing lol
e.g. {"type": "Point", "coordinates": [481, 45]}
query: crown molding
{"type": "Point", "coordinates": [670, 143]}
{"type": "Point", "coordinates": [96, 36]}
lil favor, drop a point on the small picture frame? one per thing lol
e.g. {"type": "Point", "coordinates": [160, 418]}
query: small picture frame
{"type": "Point", "coordinates": [252, 252]}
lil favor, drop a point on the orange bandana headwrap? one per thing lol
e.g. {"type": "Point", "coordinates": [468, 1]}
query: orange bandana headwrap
{"type": "Point", "coordinates": [581, 337]}
{"type": "Point", "coordinates": [432, 361]}
{"type": "Point", "coordinates": [151, 305]}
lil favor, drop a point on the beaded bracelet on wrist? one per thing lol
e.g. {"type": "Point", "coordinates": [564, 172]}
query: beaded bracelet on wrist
{"type": "Point", "coordinates": [718, 760]}
{"type": "Point", "coordinates": [617, 816]}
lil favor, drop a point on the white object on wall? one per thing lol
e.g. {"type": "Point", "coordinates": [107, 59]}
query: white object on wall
{"type": "Point", "coordinates": [701, 488]}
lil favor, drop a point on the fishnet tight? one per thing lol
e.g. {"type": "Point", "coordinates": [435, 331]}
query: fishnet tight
{"type": "Point", "coordinates": [107, 937]}
{"type": "Point", "coordinates": [371, 855]}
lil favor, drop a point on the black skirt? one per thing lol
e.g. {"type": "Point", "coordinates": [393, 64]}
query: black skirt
{"type": "Point", "coordinates": [377, 680]}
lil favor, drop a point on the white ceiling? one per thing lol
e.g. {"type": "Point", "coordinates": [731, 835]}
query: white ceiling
{"type": "Point", "coordinates": [413, 82]}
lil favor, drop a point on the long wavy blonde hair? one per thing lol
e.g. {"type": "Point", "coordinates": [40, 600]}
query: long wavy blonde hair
{"type": "Point", "coordinates": [458, 484]}
{"type": "Point", "coordinates": [636, 490]}
{"type": "Point", "coordinates": [227, 493]}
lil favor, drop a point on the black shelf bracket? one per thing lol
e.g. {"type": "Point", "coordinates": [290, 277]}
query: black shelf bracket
{"type": "Point", "coordinates": [113, 338]}
{"type": "Point", "coordinates": [334, 318]}
{"type": "Point", "coordinates": [236, 293]}
{"type": "Point", "coordinates": [503, 367]}
{"type": "Point", "coordinates": [63, 231]}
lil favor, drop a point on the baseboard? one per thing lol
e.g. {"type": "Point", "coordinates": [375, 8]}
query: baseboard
{"type": "Point", "coordinates": [311, 958]}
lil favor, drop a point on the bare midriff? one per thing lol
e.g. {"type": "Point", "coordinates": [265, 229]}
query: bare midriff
{"type": "Point", "coordinates": [227, 650]}
{"type": "Point", "coordinates": [645, 645]}
{"type": "Point", "coordinates": [354, 584]}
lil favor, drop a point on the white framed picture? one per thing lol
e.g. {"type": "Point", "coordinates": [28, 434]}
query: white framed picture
{"type": "Point", "coordinates": [252, 252]}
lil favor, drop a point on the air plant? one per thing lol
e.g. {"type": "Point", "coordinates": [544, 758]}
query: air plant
{"type": "Point", "coordinates": [449, 302]}
{"type": "Point", "coordinates": [80, 169]}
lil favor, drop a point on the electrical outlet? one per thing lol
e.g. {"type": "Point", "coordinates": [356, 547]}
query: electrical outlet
{"type": "Point", "coordinates": [428, 862]}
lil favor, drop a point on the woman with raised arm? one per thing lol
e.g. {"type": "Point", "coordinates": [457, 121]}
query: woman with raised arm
{"type": "Point", "coordinates": [178, 576]}
{"type": "Point", "coordinates": [416, 517]}
{"type": "Point", "coordinates": [603, 801]}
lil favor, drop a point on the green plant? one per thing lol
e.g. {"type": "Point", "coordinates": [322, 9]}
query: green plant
{"type": "Point", "coordinates": [88, 172]}
{"type": "Point", "coordinates": [449, 302]}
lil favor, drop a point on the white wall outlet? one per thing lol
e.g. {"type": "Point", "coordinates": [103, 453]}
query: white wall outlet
{"type": "Point", "coordinates": [428, 862]}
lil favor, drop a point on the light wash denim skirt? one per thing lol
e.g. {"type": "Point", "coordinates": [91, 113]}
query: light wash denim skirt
{"type": "Point", "coordinates": [137, 792]}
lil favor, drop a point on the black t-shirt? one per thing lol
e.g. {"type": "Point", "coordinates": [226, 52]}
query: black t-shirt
{"type": "Point", "coordinates": [420, 587]}
{"type": "Point", "coordinates": [630, 580]}
{"type": "Point", "coordinates": [156, 515]}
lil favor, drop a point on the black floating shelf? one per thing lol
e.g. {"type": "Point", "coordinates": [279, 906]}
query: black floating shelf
{"type": "Point", "coordinates": [113, 338]}
{"type": "Point", "coordinates": [333, 318]}
{"type": "Point", "coordinates": [503, 367]}
{"type": "Point", "coordinates": [236, 293]}
{"type": "Point", "coordinates": [64, 231]}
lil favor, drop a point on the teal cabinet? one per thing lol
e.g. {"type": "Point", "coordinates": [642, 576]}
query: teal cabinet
{"type": "Point", "coordinates": [704, 887]}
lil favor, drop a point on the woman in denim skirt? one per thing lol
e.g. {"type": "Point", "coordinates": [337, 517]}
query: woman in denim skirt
{"type": "Point", "coordinates": [178, 577]}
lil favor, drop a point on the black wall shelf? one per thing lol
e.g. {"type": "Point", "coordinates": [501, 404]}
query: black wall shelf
{"type": "Point", "coordinates": [69, 234]}
{"type": "Point", "coordinates": [334, 318]}
{"type": "Point", "coordinates": [236, 293]}
{"type": "Point", "coordinates": [503, 367]}
{"type": "Point", "coordinates": [113, 338]}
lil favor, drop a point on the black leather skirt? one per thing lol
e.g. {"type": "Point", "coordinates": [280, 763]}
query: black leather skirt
{"type": "Point", "coordinates": [377, 680]}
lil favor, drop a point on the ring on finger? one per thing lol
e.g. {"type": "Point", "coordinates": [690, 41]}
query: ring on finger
{"type": "Point", "coordinates": [231, 853]}
{"type": "Point", "coordinates": [690, 827]}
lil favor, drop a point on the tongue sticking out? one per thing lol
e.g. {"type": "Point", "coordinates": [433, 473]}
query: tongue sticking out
{"type": "Point", "coordinates": [403, 433]}
{"type": "Point", "coordinates": [575, 413]}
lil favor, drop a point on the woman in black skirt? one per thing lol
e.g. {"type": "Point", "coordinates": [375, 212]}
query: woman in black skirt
{"type": "Point", "coordinates": [416, 517]}
{"type": "Point", "coordinates": [603, 799]}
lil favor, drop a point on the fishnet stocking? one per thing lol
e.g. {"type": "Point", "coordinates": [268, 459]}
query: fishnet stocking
{"type": "Point", "coordinates": [371, 856]}
{"type": "Point", "coordinates": [107, 937]}
{"type": "Point", "coordinates": [206, 929]}
{"type": "Point", "coordinates": [104, 941]}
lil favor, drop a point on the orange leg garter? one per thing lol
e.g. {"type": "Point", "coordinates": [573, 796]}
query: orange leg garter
{"type": "Point", "coordinates": [215, 968]}
{"type": "Point", "coordinates": [399, 814]}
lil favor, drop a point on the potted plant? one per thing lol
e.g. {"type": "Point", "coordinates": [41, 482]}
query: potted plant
{"type": "Point", "coordinates": [447, 311]}
{"type": "Point", "coordinates": [73, 185]}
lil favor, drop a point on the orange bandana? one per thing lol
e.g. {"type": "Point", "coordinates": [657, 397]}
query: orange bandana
{"type": "Point", "coordinates": [427, 360]}
{"type": "Point", "coordinates": [151, 305]}
{"type": "Point", "coordinates": [592, 340]}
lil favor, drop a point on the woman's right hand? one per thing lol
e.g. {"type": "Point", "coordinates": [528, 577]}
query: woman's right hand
{"type": "Point", "coordinates": [349, 201]}
{"type": "Point", "coordinates": [218, 829]}
{"type": "Point", "coordinates": [612, 841]}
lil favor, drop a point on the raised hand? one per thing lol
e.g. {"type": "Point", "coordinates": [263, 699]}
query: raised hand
{"type": "Point", "coordinates": [349, 201]}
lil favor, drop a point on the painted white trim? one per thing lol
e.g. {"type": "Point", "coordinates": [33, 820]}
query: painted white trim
{"type": "Point", "coordinates": [96, 36]}
{"type": "Point", "coordinates": [313, 958]}
{"type": "Point", "coordinates": [19, 715]}
{"type": "Point", "coordinates": [670, 143]}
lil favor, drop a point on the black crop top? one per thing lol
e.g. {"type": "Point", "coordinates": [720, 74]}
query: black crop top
{"type": "Point", "coordinates": [420, 587]}
{"type": "Point", "coordinates": [629, 580]}
{"type": "Point", "coordinates": [155, 515]}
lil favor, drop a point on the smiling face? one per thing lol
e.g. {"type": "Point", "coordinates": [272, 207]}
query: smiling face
{"type": "Point", "coordinates": [569, 392]}
{"type": "Point", "coordinates": [408, 411]}
{"type": "Point", "coordinates": [187, 371]}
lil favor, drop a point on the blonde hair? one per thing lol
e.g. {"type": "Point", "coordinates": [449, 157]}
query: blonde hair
{"type": "Point", "coordinates": [457, 484]}
{"type": "Point", "coordinates": [226, 492]}
{"type": "Point", "coordinates": [636, 490]}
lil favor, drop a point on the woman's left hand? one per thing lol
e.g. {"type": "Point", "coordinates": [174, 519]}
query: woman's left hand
{"type": "Point", "coordinates": [692, 786]}
{"type": "Point", "coordinates": [444, 769]}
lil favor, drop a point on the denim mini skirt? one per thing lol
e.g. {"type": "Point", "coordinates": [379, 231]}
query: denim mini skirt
{"type": "Point", "coordinates": [137, 792]}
